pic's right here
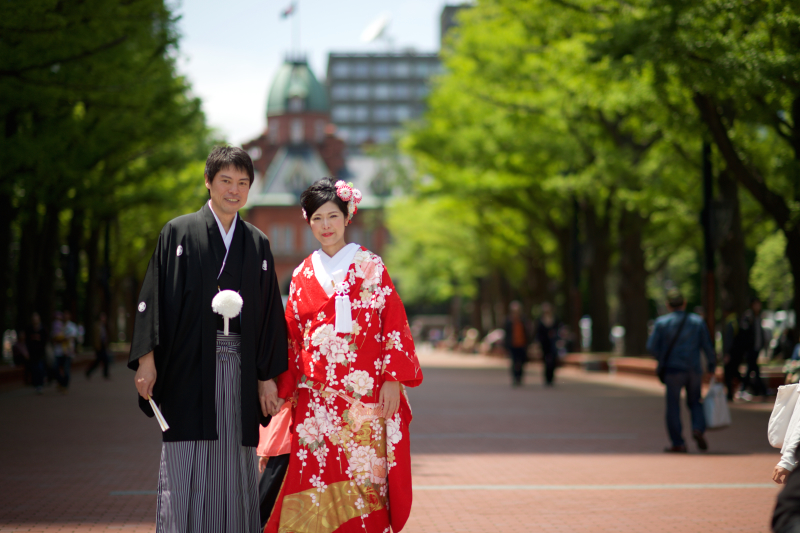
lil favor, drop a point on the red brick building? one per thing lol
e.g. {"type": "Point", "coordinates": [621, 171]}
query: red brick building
{"type": "Point", "coordinates": [298, 147]}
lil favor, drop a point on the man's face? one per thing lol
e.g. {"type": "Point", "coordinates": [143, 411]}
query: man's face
{"type": "Point", "coordinates": [228, 190]}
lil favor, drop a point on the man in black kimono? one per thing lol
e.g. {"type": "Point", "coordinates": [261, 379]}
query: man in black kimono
{"type": "Point", "coordinates": [212, 388]}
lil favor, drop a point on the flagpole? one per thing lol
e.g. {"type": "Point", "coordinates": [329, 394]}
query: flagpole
{"type": "Point", "coordinates": [296, 28]}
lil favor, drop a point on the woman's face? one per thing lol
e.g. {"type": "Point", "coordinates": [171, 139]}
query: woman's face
{"type": "Point", "coordinates": [328, 223]}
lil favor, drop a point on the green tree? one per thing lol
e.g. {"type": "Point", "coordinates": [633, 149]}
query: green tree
{"type": "Point", "coordinates": [528, 119]}
{"type": "Point", "coordinates": [771, 275]}
{"type": "Point", "coordinates": [740, 63]}
{"type": "Point", "coordinates": [95, 122]}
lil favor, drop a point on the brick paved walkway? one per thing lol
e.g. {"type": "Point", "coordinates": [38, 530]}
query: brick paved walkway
{"type": "Point", "coordinates": [584, 456]}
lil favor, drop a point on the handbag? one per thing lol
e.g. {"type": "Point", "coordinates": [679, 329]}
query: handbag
{"type": "Point", "coordinates": [715, 407]}
{"type": "Point", "coordinates": [784, 415]}
{"type": "Point", "coordinates": [662, 366]}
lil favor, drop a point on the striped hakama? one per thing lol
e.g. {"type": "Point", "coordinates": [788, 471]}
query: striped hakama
{"type": "Point", "coordinates": [206, 485]}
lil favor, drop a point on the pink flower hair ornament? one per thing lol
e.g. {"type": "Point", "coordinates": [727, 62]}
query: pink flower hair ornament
{"type": "Point", "coordinates": [347, 193]}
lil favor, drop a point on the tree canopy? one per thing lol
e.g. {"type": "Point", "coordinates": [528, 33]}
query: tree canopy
{"type": "Point", "coordinates": [97, 125]}
{"type": "Point", "coordinates": [564, 139]}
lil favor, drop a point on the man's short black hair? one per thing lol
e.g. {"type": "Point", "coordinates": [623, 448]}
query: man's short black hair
{"type": "Point", "coordinates": [223, 157]}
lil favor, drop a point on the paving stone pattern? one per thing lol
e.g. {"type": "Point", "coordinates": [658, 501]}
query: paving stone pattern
{"type": "Point", "coordinates": [584, 456]}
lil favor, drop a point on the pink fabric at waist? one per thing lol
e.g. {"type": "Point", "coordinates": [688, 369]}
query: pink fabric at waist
{"type": "Point", "coordinates": [275, 439]}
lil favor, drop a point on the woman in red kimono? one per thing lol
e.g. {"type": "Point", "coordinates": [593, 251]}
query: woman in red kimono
{"type": "Point", "coordinates": [351, 356]}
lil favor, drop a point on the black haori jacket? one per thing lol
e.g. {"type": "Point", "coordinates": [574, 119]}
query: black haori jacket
{"type": "Point", "coordinates": [174, 319]}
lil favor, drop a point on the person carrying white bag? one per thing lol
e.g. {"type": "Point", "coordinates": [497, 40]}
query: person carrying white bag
{"type": "Point", "coordinates": [784, 430]}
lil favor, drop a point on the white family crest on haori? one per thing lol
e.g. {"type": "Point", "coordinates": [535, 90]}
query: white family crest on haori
{"type": "Point", "coordinates": [179, 251]}
{"type": "Point", "coordinates": [228, 304]}
{"type": "Point", "coordinates": [142, 307]}
{"type": "Point", "coordinates": [264, 265]}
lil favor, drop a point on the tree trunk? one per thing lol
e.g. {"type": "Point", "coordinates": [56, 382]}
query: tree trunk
{"type": "Point", "coordinates": [570, 292]}
{"type": "Point", "coordinates": [92, 286]}
{"type": "Point", "coordinates": [72, 272]}
{"type": "Point", "coordinates": [6, 218]}
{"type": "Point", "coordinates": [46, 275]}
{"type": "Point", "coordinates": [477, 304]}
{"type": "Point", "coordinates": [26, 270]}
{"type": "Point", "coordinates": [633, 283]}
{"type": "Point", "coordinates": [751, 179]}
{"type": "Point", "coordinates": [732, 269]}
{"type": "Point", "coordinates": [105, 281]}
{"type": "Point", "coordinates": [598, 239]}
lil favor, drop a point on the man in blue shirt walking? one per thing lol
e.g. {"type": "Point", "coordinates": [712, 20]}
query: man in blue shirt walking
{"type": "Point", "coordinates": [687, 334]}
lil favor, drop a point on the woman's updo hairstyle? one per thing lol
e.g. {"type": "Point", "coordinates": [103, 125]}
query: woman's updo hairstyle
{"type": "Point", "coordinates": [318, 194]}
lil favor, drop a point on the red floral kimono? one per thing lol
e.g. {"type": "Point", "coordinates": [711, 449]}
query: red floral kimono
{"type": "Point", "coordinates": [350, 469]}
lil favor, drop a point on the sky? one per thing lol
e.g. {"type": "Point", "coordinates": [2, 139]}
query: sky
{"type": "Point", "coordinates": [231, 49]}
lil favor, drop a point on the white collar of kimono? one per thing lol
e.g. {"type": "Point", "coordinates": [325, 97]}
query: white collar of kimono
{"type": "Point", "coordinates": [227, 238]}
{"type": "Point", "coordinates": [331, 273]}
{"type": "Point", "coordinates": [332, 270]}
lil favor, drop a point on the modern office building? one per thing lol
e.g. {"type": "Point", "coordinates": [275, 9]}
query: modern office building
{"type": "Point", "coordinates": [448, 21]}
{"type": "Point", "coordinates": [373, 94]}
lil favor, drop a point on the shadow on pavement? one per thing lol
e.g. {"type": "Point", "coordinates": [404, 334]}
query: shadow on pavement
{"type": "Point", "coordinates": [475, 410]}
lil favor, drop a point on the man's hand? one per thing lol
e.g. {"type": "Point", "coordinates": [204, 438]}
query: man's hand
{"type": "Point", "coordinates": [145, 377]}
{"type": "Point", "coordinates": [262, 464]}
{"type": "Point", "coordinates": [390, 398]}
{"type": "Point", "coordinates": [779, 475]}
{"type": "Point", "coordinates": [268, 397]}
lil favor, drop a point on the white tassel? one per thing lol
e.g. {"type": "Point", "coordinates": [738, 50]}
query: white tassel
{"type": "Point", "coordinates": [344, 317]}
{"type": "Point", "coordinates": [228, 304]}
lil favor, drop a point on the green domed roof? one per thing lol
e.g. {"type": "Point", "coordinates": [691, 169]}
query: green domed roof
{"type": "Point", "coordinates": [295, 80]}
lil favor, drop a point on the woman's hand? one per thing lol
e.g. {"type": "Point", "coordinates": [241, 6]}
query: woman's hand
{"type": "Point", "coordinates": [277, 406]}
{"type": "Point", "coordinates": [262, 464]}
{"type": "Point", "coordinates": [390, 398]}
{"type": "Point", "coordinates": [145, 377]}
{"type": "Point", "coordinates": [779, 475]}
{"type": "Point", "coordinates": [268, 396]}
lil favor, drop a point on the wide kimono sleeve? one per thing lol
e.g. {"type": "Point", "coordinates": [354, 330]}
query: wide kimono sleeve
{"type": "Point", "coordinates": [145, 325]}
{"type": "Point", "coordinates": [400, 361]}
{"type": "Point", "coordinates": [287, 382]}
{"type": "Point", "coordinates": [271, 356]}
{"type": "Point", "coordinates": [149, 333]}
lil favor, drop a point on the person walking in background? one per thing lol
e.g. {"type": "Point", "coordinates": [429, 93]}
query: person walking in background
{"type": "Point", "coordinates": [36, 341]}
{"type": "Point", "coordinates": [785, 347]}
{"type": "Point", "coordinates": [101, 355]}
{"type": "Point", "coordinates": [753, 340]}
{"type": "Point", "coordinates": [19, 351]}
{"type": "Point", "coordinates": [676, 341]}
{"type": "Point", "coordinates": [516, 341]}
{"type": "Point", "coordinates": [732, 353]}
{"type": "Point", "coordinates": [70, 334]}
{"type": "Point", "coordinates": [58, 342]}
{"type": "Point", "coordinates": [547, 335]}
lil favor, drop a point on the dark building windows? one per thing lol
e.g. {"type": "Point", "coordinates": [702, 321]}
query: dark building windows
{"type": "Point", "coordinates": [361, 91]}
{"type": "Point", "coordinates": [372, 95]}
